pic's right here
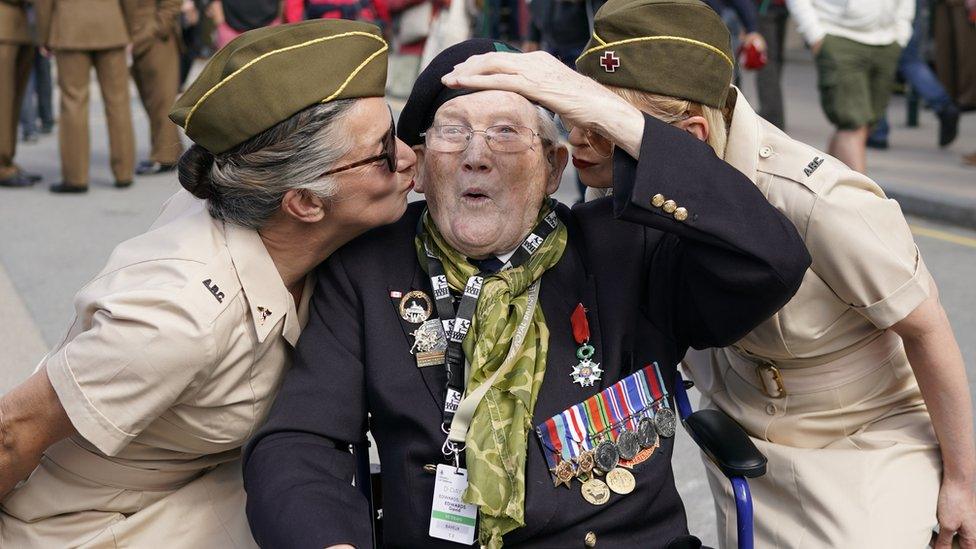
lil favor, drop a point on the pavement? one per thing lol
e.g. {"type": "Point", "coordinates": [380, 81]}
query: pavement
{"type": "Point", "coordinates": [51, 245]}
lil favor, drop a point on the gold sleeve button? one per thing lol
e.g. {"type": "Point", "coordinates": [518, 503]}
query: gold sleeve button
{"type": "Point", "coordinates": [590, 539]}
{"type": "Point", "coordinates": [657, 200]}
{"type": "Point", "coordinates": [681, 214]}
{"type": "Point", "coordinates": [669, 206]}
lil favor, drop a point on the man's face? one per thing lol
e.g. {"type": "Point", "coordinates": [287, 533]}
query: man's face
{"type": "Point", "coordinates": [484, 202]}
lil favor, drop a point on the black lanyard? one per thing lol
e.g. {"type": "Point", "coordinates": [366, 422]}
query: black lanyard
{"type": "Point", "coordinates": [457, 323]}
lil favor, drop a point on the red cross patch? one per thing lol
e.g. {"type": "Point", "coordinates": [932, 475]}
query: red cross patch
{"type": "Point", "coordinates": [610, 61]}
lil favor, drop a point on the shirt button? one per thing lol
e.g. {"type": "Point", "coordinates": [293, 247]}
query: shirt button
{"type": "Point", "coordinates": [771, 409]}
{"type": "Point", "coordinates": [669, 206]}
{"type": "Point", "coordinates": [590, 539]}
{"type": "Point", "coordinates": [657, 200]}
{"type": "Point", "coordinates": [765, 152]}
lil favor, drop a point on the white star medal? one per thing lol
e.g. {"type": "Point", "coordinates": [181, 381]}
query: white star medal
{"type": "Point", "coordinates": [587, 372]}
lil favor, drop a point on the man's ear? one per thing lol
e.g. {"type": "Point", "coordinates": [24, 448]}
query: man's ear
{"type": "Point", "coordinates": [304, 206]}
{"type": "Point", "coordinates": [557, 157]}
{"type": "Point", "coordinates": [418, 180]}
{"type": "Point", "coordinates": [695, 125]}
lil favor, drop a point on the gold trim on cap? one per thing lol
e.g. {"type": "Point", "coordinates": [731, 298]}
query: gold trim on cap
{"type": "Point", "coordinates": [186, 124]}
{"type": "Point", "coordinates": [355, 72]}
{"type": "Point", "coordinates": [650, 38]}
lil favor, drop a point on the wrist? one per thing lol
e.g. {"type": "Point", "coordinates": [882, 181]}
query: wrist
{"type": "Point", "coordinates": [624, 125]}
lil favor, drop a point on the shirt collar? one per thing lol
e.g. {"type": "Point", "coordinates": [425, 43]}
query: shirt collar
{"type": "Point", "coordinates": [268, 300]}
{"type": "Point", "coordinates": [743, 140]}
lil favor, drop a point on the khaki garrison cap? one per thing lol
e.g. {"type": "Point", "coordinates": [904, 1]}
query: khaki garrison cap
{"type": "Point", "coordinates": [266, 75]}
{"type": "Point", "coordinates": [678, 48]}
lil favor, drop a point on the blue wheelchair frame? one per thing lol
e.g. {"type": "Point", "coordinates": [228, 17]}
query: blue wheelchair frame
{"type": "Point", "coordinates": [729, 447]}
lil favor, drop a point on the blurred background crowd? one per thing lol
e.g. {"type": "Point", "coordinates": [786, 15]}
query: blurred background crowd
{"type": "Point", "coordinates": [156, 43]}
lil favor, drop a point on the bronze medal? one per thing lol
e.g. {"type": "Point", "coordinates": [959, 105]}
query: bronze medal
{"type": "Point", "coordinates": [596, 491]}
{"type": "Point", "coordinates": [646, 433]}
{"type": "Point", "coordinates": [621, 481]}
{"type": "Point", "coordinates": [664, 422]}
{"type": "Point", "coordinates": [627, 444]}
{"type": "Point", "coordinates": [585, 463]}
{"type": "Point", "coordinates": [607, 456]}
{"type": "Point", "coordinates": [564, 473]}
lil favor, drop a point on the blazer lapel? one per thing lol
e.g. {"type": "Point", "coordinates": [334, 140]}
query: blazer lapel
{"type": "Point", "coordinates": [435, 377]}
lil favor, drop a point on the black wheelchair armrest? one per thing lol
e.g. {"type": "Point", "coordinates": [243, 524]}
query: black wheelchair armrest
{"type": "Point", "coordinates": [726, 444]}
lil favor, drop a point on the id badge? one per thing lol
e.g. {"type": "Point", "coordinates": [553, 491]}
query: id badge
{"type": "Point", "coordinates": [451, 518]}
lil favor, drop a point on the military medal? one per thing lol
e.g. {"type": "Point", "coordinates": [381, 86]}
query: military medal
{"type": "Point", "coordinates": [627, 444]}
{"type": "Point", "coordinates": [596, 491]}
{"type": "Point", "coordinates": [429, 343]}
{"type": "Point", "coordinates": [664, 418]}
{"type": "Point", "coordinates": [415, 307]}
{"type": "Point", "coordinates": [586, 372]}
{"type": "Point", "coordinates": [602, 438]}
{"type": "Point", "coordinates": [664, 422]}
{"type": "Point", "coordinates": [607, 456]}
{"type": "Point", "coordinates": [564, 473]}
{"type": "Point", "coordinates": [621, 481]}
{"type": "Point", "coordinates": [559, 456]}
{"type": "Point", "coordinates": [646, 433]}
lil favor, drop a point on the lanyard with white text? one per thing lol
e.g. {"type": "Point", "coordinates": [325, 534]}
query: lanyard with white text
{"type": "Point", "coordinates": [457, 323]}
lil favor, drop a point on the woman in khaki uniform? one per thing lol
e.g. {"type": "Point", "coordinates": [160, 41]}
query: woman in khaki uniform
{"type": "Point", "coordinates": [130, 429]}
{"type": "Point", "coordinates": [831, 387]}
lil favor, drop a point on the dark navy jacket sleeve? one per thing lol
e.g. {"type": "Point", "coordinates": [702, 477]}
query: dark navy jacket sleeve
{"type": "Point", "coordinates": [733, 262]}
{"type": "Point", "coordinates": [298, 468]}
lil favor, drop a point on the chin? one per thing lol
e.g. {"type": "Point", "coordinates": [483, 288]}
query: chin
{"type": "Point", "coordinates": [597, 181]}
{"type": "Point", "coordinates": [474, 238]}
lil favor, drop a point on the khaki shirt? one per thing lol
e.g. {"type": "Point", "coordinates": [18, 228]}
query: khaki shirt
{"type": "Point", "coordinates": [85, 25]}
{"type": "Point", "coordinates": [173, 360]}
{"type": "Point", "coordinates": [155, 20]}
{"type": "Point", "coordinates": [867, 273]}
{"type": "Point", "coordinates": [14, 27]}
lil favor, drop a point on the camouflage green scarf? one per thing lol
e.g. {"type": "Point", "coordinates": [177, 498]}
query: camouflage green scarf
{"type": "Point", "coordinates": [498, 435]}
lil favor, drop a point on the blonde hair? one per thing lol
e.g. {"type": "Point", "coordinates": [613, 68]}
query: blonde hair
{"type": "Point", "coordinates": [673, 109]}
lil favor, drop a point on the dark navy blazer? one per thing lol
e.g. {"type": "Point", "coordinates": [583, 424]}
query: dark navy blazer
{"type": "Point", "coordinates": [653, 286]}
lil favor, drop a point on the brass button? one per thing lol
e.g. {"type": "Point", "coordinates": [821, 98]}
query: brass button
{"type": "Point", "coordinates": [765, 152]}
{"type": "Point", "coordinates": [590, 539]}
{"type": "Point", "coordinates": [681, 214]}
{"type": "Point", "coordinates": [669, 207]}
{"type": "Point", "coordinates": [657, 200]}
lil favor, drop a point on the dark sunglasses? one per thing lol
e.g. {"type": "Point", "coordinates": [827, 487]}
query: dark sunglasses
{"type": "Point", "coordinates": [389, 152]}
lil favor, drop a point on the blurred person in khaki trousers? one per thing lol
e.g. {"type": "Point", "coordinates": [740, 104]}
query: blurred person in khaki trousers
{"type": "Point", "coordinates": [16, 54]}
{"type": "Point", "coordinates": [156, 71]}
{"type": "Point", "coordinates": [85, 34]}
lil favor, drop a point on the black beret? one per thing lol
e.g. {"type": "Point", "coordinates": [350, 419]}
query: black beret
{"type": "Point", "coordinates": [428, 93]}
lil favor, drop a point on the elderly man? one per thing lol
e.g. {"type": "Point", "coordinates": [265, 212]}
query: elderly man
{"type": "Point", "coordinates": [561, 329]}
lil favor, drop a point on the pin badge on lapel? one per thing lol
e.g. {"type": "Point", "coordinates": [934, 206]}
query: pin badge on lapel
{"type": "Point", "coordinates": [415, 307]}
{"type": "Point", "coordinates": [265, 313]}
{"type": "Point", "coordinates": [429, 343]}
